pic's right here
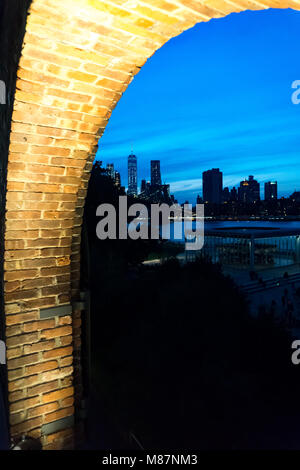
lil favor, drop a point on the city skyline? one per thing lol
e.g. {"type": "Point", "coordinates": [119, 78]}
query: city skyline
{"type": "Point", "coordinates": [262, 190]}
{"type": "Point", "coordinates": [238, 115]}
{"type": "Point", "coordinates": [212, 184]}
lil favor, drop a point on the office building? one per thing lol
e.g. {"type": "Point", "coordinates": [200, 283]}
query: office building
{"type": "Point", "coordinates": [249, 191]}
{"type": "Point", "coordinates": [132, 175]}
{"type": "Point", "coordinates": [212, 181]}
{"type": "Point", "coordinates": [143, 186]}
{"type": "Point", "coordinates": [155, 173]}
{"type": "Point", "coordinates": [271, 191]}
{"type": "Point", "coordinates": [226, 195]}
{"type": "Point", "coordinates": [110, 170]}
{"type": "Point", "coordinates": [233, 194]}
{"type": "Point", "coordinates": [117, 179]}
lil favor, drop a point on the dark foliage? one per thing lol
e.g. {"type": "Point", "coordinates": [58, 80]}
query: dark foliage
{"type": "Point", "coordinates": [179, 361]}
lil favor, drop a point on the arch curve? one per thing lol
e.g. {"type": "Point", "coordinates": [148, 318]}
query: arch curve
{"type": "Point", "coordinates": [77, 59]}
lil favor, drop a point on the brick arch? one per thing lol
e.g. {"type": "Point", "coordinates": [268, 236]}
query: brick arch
{"type": "Point", "coordinates": [77, 58]}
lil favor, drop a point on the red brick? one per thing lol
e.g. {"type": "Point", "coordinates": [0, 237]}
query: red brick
{"type": "Point", "coordinates": [41, 367]}
{"type": "Point", "coordinates": [42, 410]}
{"type": "Point", "coordinates": [24, 404]}
{"type": "Point", "coordinates": [21, 361]}
{"type": "Point", "coordinates": [43, 388]}
{"type": "Point", "coordinates": [56, 332]}
{"type": "Point", "coordinates": [63, 413]}
{"type": "Point", "coordinates": [58, 352]}
{"type": "Point", "coordinates": [26, 426]}
{"type": "Point", "coordinates": [39, 325]}
{"type": "Point", "coordinates": [58, 395]}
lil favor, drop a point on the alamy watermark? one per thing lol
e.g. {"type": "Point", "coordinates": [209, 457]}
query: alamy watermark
{"type": "Point", "coordinates": [160, 218]}
{"type": "Point", "coordinates": [2, 101]}
{"type": "Point", "coordinates": [296, 94]}
{"type": "Point", "coordinates": [2, 352]}
{"type": "Point", "coordinates": [2, 92]}
{"type": "Point", "coordinates": [296, 354]}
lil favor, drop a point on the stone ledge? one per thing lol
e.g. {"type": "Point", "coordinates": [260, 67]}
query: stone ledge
{"type": "Point", "coordinates": [60, 311]}
{"type": "Point", "coordinates": [58, 425]}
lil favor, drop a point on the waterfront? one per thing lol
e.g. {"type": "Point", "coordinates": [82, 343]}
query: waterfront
{"type": "Point", "coordinates": [250, 245]}
{"type": "Point", "coordinates": [244, 225]}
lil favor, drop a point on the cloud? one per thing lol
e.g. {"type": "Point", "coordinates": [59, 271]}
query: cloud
{"type": "Point", "coordinates": [185, 185]}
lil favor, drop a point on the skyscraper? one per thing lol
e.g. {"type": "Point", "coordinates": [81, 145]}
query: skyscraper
{"type": "Point", "coordinates": [132, 175]}
{"type": "Point", "coordinates": [166, 191]}
{"type": "Point", "coordinates": [110, 170]}
{"type": "Point", "coordinates": [271, 191]}
{"type": "Point", "coordinates": [117, 179]}
{"type": "Point", "coordinates": [155, 173]}
{"type": "Point", "coordinates": [233, 194]}
{"type": "Point", "coordinates": [249, 190]}
{"type": "Point", "coordinates": [226, 195]}
{"type": "Point", "coordinates": [143, 186]}
{"type": "Point", "coordinates": [212, 181]}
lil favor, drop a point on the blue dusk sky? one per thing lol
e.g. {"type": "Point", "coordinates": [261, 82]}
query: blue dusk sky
{"type": "Point", "coordinates": [218, 95]}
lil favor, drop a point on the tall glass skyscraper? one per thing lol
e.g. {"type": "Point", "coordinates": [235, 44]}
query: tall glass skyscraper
{"type": "Point", "coordinates": [132, 175]}
{"type": "Point", "coordinates": [155, 173]}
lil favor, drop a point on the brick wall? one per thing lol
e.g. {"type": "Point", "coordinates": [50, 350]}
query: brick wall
{"type": "Point", "coordinates": [77, 59]}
